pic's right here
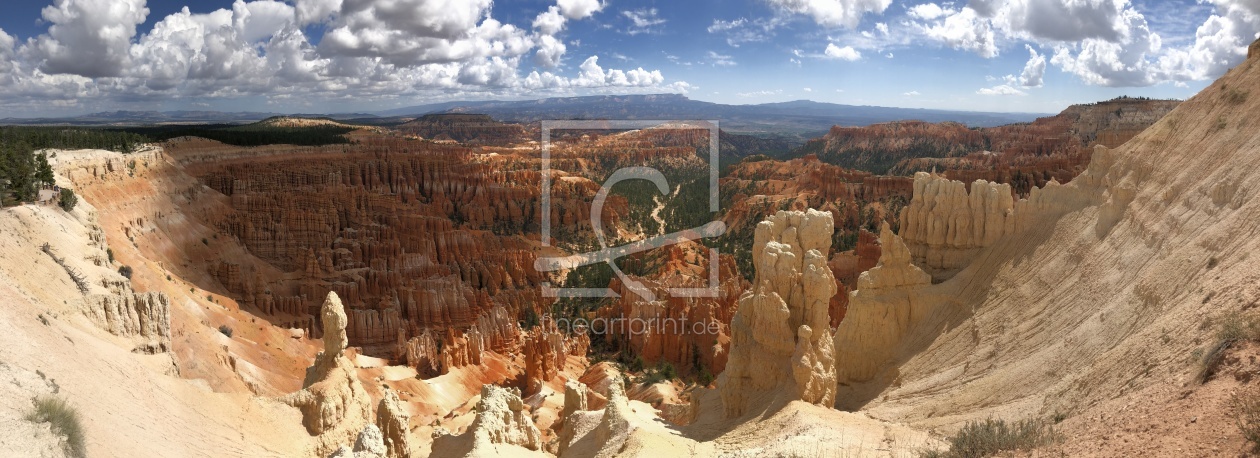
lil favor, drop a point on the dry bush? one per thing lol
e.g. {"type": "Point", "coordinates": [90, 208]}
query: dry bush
{"type": "Point", "coordinates": [990, 437]}
{"type": "Point", "coordinates": [1246, 406]}
{"type": "Point", "coordinates": [1234, 328]}
{"type": "Point", "coordinates": [63, 420]}
{"type": "Point", "coordinates": [1235, 96]}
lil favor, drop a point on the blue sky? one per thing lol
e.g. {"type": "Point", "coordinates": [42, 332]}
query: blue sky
{"type": "Point", "coordinates": [75, 56]}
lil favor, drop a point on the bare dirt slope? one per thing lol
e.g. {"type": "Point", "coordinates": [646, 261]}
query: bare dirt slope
{"type": "Point", "coordinates": [131, 404]}
{"type": "Point", "coordinates": [1096, 309]}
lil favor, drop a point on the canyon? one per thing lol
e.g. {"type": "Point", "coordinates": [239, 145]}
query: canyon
{"type": "Point", "coordinates": [380, 297]}
{"type": "Point", "coordinates": [1025, 155]}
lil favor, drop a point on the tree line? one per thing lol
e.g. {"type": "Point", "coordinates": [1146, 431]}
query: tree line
{"type": "Point", "coordinates": [22, 173]}
{"type": "Point", "coordinates": [24, 168]}
{"type": "Point", "coordinates": [49, 137]}
{"type": "Point", "coordinates": [248, 135]}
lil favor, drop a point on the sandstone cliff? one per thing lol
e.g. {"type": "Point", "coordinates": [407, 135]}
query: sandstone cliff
{"type": "Point", "coordinates": [1024, 155]}
{"type": "Point", "coordinates": [81, 260]}
{"type": "Point", "coordinates": [71, 320]}
{"type": "Point", "coordinates": [472, 129]}
{"type": "Point", "coordinates": [125, 312]}
{"type": "Point", "coordinates": [781, 338]}
{"type": "Point", "coordinates": [1088, 309]}
{"type": "Point", "coordinates": [947, 223]}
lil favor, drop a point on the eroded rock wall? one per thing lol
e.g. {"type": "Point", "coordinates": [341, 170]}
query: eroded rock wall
{"type": "Point", "coordinates": [690, 333]}
{"type": "Point", "coordinates": [947, 222]}
{"type": "Point", "coordinates": [881, 310]}
{"type": "Point", "coordinates": [781, 338]}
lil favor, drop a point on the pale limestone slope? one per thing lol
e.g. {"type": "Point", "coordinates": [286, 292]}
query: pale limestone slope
{"type": "Point", "coordinates": [1105, 299]}
{"type": "Point", "coordinates": [131, 404]}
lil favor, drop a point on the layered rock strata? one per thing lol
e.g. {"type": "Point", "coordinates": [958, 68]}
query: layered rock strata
{"type": "Point", "coordinates": [124, 312]}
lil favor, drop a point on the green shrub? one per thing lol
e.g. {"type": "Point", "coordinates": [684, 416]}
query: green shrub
{"type": "Point", "coordinates": [226, 330]}
{"type": "Point", "coordinates": [125, 271]}
{"type": "Point", "coordinates": [990, 437]}
{"type": "Point", "coordinates": [67, 200]}
{"type": "Point", "coordinates": [64, 421]}
{"type": "Point", "coordinates": [667, 370]}
{"type": "Point", "coordinates": [704, 378]}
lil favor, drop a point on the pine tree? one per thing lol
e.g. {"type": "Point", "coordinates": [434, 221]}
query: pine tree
{"type": "Point", "coordinates": [43, 171]}
{"type": "Point", "coordinates": [20, 170]}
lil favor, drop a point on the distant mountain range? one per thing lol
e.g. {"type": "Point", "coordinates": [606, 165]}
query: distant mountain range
{"type": "Point", "coordinates": [134, 118]}
{"type": "Point", "coordinates": [800, 119]}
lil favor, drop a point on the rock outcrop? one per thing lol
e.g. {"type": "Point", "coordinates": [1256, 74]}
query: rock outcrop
{"type": "Point", "coordinates": [392, 421]}
{"type": "Point", "coordinates": [599, 432]}
{"type": "Point", "coordinates": [502, 419]}
{"type": "Point", "coordinates": [369, 444]}
{"type": "Point", "coordinates": [334, 405]}
{"type": "Point", "coordinates": [781, 340]}
{"type": "Point", "coordinates": [1024, 155]}
{"type": "Point", "coordinates": [474, 129]}
{"type": "Point", "coordinates": [574, 397]}
{"type": "Point", "coordinates": [545, 353]}
{"type": "Point", "coordinates": [847, 266]}
{"type": "Point", "coordinates": [880, 311]}
{"type": "Point", "coordinates": [690, 333]}
{"type": "Point", "coordinates": [945, 226]}
{"type": "Point", "coordinates": [433, 356]}
{"type": "Point", "coordinates": [124, 312]}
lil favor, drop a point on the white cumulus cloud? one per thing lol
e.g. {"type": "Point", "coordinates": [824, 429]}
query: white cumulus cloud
{"type": "Point", "coordinates": [833, 13]}
{"type": "Point", "coordinates": [370, 50]}
{"type": "Point", "coordinates": [1001, 89]}
{"type": "Point", "coordinates": [926, 11]}
{"type": "Point", "coordinates": [845, 53]}
{"type": "Point", "coordinates": [90, 38]}
{"type": "Point", "coordinates": [579, 9]}
{"type": "Point", "coordinates": [965, 30]}
{"type": "Point", "coordinates": [1034, 70]}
